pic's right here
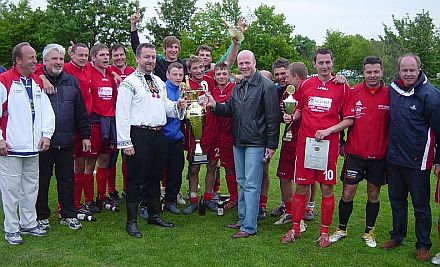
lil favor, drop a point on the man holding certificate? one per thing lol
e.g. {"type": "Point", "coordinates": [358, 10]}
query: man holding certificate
{"type": "Point", "coordinates": [323, 112]}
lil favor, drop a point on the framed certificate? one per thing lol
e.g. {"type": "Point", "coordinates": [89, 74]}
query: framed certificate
{"type": "Point", "coordinates": [316, 154]}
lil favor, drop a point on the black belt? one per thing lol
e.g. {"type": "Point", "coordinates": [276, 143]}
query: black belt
{"type": "Point", "coordinates": [152, 128]}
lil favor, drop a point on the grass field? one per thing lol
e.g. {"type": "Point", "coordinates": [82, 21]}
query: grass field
{"type": "Point", "coordinates": [205, 241]}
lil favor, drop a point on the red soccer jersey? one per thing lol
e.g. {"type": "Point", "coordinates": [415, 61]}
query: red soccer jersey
{"type": "Point", "coordinates": [225, 124]}
{"type": "Point", "coordinates": [82, 74]}
{"type": "Point", "coordinates": [367, 137]}
{"type": "Point", "coordinates": [121, 73]}
{"type": "Point", "coordinates": [322, 104]}
{"type": "Point", "coordinates": [103, 93]}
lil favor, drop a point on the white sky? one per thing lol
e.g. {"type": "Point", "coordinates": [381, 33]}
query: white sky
{"type": "Point", "coordinates": [312, 18]}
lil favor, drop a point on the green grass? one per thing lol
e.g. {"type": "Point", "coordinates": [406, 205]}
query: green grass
{"type": "Point", "coordinates": [205, 241]}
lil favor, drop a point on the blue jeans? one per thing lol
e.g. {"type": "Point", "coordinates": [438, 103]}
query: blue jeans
{"type": "Point", "coordinates": [249, 173]}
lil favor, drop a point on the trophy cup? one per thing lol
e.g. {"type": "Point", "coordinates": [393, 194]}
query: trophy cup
{"type": "Point", "coordinates": [196, 116]}
{"type": "Point", "coordinates": [289, 107]}
{"type": "Point", "coordinates": [233, 31]}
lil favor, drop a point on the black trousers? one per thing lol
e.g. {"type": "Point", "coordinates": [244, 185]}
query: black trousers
{"type": "Point", "coordinates": [62, 159]}
{"type": "Point", "coordinates": [145, 167]}
{"type": "Point", "coordinates": [401, 181]}
{"type": "Point", "coordinates": [174, 168]}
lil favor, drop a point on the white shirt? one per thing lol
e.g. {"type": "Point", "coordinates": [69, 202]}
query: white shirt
{"type": "Point", "coordinates": [138, 106]}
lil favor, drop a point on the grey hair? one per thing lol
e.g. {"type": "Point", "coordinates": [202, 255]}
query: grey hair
{"type": "Point", "coordinates": [51, 47]}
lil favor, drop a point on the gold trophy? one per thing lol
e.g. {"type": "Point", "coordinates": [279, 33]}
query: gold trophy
{"type": "Point", "coordinates": [233, 31]}
{"type": "Point", "coordinates": [196, 117]}
{"type": "Point", "coordinates": [289, 107]}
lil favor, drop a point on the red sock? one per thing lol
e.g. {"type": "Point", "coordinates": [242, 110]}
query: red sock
{"type": "Point", "coordinates": [164, 178]}
{"type": "Point", "coordinates": [298, 205]}
{"type": "Point", "coordinates": [124, 175]}
{"type": "Point", "coordinates": [263, 201]}
{"type": "Point", "coordinates": [89, 187]}
{"type": "Point", "coordinates": [216, 187]}
{"type": "Point", "coordinates": [78, 188]}
{"type": "Point", "coordinates": [288, 205]}
{"type": "Point", "coordinates": [438, 232]}
{"type": "Point", "coordinates": [194, 200]}
{"type": "Point", "coordinates": [207, 196]}
{"type": "Point", "coordinates": [111, 179]}
{"type": "Point", "coordinates": [101, 182]}
{"type": "Point", "coordinates": [231, 183]}
{"type": "Point", "coordinates": [327, 208]}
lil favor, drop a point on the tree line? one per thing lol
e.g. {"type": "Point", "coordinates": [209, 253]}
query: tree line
{"type": "Point", "coordinates": [268, 35]}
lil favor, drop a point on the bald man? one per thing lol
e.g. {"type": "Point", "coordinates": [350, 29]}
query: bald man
{"type": "Point", "coordinates": [255, 129]}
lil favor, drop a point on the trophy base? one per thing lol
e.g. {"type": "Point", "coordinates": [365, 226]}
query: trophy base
{"type": "Point", "coordinates": [199, 159]}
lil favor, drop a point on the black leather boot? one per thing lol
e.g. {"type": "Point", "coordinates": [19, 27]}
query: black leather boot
{"type": "Point", "coordinates": [156, 220]}
{"type": "Point", "coordinates": [131, 226]}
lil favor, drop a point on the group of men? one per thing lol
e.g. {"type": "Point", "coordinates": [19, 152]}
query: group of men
{"type": "Point", "coordinates": [92, 109]}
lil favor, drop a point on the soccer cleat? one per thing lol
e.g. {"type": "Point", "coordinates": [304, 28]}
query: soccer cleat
{"type": "Point", "coordinates": [215, 197]}
{"type": "Point", "coordinates": [13, 238]}
{"type": "Point", "coordinates": [190, 208]}
{"type": "Point", "coordinates": [261, 213]}
{"type": "Point", "coordinates": [370, 238]}
{"type": "Point", "coordinates": [84, 214]}
{"type": "Point", "coordinates": [115, 197]}
{"type": "Point", "coordinates": [180, 199]}
{"type": "Point", "coordinates": [34, 231]}
{"type": "Point", "coordinates": [309, 215]}
{"type": "Point", "coordinates": [285, 218]}
{"type": "Point", "coordinates": [323, 240]}
{"type": "Point", "coordinates": [302, 226]}
{"type": "Point", "coordinates": [289, 237]}
{"type": "Point", "coordinates": [436, 259]}
{"type": "Point", "coordinates": [338, 234]}
{"type": "Point", "coordinates": [109, 205]}
{"type": "Point", "coordinates": [92, 207]}
{"type": "Point", "coordinates": [72, 223]}
{"type": "Point", "coordinates": [43, 224]}
{"type": "Point", "coordinates": [211, 205]}
{"type": "Point", "coordinates": [278, 211]}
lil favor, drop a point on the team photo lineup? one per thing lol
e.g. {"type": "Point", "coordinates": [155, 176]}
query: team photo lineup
{"type": "Point", "coordinates": [82, 109]}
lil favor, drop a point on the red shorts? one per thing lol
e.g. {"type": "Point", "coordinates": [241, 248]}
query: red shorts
{"type": "Point", "coordinates": [306, 176]}
{"type": "Point", "coordinates": [286, 163]}
{"type": "Point", "coordinates": [78, 147]}
{"type": "Point", "coordinates": [437, 192]}
{"type": "Point", "coordinates": [99, 145]}
{"type": "Point", "coordinates": [227, 151]}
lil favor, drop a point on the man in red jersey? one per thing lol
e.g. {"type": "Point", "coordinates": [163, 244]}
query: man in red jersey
{"type": "Point", "coordinates": [322, 108]}
{"type": "Point", "coordinates": [208, 141]}
{"type": "Point", "coordinates": [102, 118]}
{"type": "Point", "coordinates": [296, 73]}
{"type": "Point", "coordinates": [120, 68]}
{"type": "Point", "coordinates": [365, 149]}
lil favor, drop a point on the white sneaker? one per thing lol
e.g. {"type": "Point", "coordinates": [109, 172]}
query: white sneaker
{"type": "Point", "coordinates": [180, 199]}
{"type": "Point", "coordinates": [302, 226]}
{"type": "Point", "coordinates": [338, 234]}
{"type": "Point", "coordinates": [285, 218]}
{"type": "Point", "coordinates": [72, 223]}
{"type": "Point", "coordinates": [436, 259]}
{"type": "Point", "coordinates": [35, 231]}
{"type": "Point", "coordinates": [44, 224]}
{"type": "Point", "coordinates": [370, 239]}
{"type": "Point", "coordinates": [14, 238]}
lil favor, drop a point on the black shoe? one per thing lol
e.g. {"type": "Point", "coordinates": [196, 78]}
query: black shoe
{"type": "Point", "coordinates": [115, 197]}
{"type": "Point", "coordinates": [155, 219]}
{"type": "Point", "coordinates": [92, 207]}
{"type": "Point", "coordinates": [278, 211]}
{"type": "Point", "coordinates": [261, 213]}
{"type": "Point", "coordinates": [131, 226]}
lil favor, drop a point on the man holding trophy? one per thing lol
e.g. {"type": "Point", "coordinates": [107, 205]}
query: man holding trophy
{"type": "Point", "coordinates": [255, 129]}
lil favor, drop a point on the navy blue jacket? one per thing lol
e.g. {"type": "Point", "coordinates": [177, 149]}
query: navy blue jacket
{"type": "Point", "coordinates": [171, 130]}
{"type": "Point", "coordinates": [70, 110]}
{"type": "Point", "coordinates": [414, 122]}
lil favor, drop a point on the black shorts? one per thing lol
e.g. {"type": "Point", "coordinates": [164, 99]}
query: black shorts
{"type": "Point", "coordinates": [356, 169]}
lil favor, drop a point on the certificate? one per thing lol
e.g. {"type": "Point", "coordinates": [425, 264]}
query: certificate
{"type": "Point", "coordinates": [316, 154]}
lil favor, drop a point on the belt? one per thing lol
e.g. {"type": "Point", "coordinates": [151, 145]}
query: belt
{"type": "Point", "coordinates": [152, 128]}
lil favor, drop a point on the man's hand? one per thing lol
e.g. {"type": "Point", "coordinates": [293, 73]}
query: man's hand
{"type": "Point", "coordinates": [69, 49]}
{"type": "Point", "coordinates": [134, 19]}
{"type": "Point", "coordinates": [340, 79]}
{"type": "Point", "coordinates": [87, 145]}
{"type": "Point", "coordinates": [321, 134]}
{"type": "Point", "coordinates": [437, 171]}
{"type": "Point", "coordinates": [116, 78]}
{"type": "Point", "coordinates": [242, 24]}
{"type": "Point", "coordinates": [269, 153]}
{"type": "Point", "coordinates": [183, 103]}
{"type": "Point", "coordinates": [47, 86]}
{"type": "Point", "coordinates": [287, 118]}
{"type": "Point", "coordinates": [3, 148]}
{"type": "Point", "coordinates": [44, 144]}
{"type": "Point", "coordinates": [129, 151]}
{"type": "Point", "coordinates": [207, 100]}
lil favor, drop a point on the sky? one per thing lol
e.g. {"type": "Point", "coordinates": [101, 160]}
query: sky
{"type": "Point", "coordinates": [312, 18]}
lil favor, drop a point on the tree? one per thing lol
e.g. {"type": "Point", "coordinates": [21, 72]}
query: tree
{"type": "Point", "coordinates": [19, 23]}
{"type": "Point", "coordinates": [419, 36]}
{"type": "Point", "coordinates": [89, 22]}
{"type": "Point", "coordinates": [305, 47]}
{"type": "Point", "coordinates": [269, 37]}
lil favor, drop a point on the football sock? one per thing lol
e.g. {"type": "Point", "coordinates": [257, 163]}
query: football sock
{"type": "Point", "coordinates": [345, 210]}
{"type": "Point", "coordinates": [327, 208]}
{"type": "Point", "coordinates": [371, 212]}
{"type": "Point", "coordinates": [89, 187]}
{"type": "Point", "coordinates": [288, 205]}
{"type": "Point", "coordinates": [298, 209]}
{"type": "Point", "coordinates": [111, 172]}
{"type": "Point", "coordinates": [231, 183]}
{"type": "Point", "coordinates": [78, 188]}
{"type": "Point", "coordinates": [263, 201]}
